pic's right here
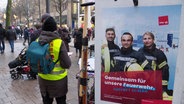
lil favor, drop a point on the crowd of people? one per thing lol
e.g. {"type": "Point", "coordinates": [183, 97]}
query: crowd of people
{"type": "Point", "coordinates": [53, 85]}
{"type": "Point", "coordinates": [12, 33]}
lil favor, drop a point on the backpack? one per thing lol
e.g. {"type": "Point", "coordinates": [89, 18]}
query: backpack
{"type": "Point", "coordinates": [39, 58]}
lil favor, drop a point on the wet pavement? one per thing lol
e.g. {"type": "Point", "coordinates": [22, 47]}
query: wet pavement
{"type": "Point", "coordinates": [26, 91]}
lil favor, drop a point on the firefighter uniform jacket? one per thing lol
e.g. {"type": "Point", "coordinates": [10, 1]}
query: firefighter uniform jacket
{"type": "Point", "coordinates": [128, 57]}
{"type": "Point", "coordinates": [157, 61]}
{"type": "Point", "coordinates": [107, 59]}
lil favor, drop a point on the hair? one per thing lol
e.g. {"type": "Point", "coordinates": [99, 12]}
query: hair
{"type": "Point", "coordinates": [64, 30]}
{"type": "Point", "coordinates": [37, 26]}
{"type": "Point", "coordinates": [150, 34]}
{"type": "Point", "coordinates": [49, 25]}
{"type": "Point", "coordinates": [9, 27]}
{"type": "Point", "coordinates": [81, 30]}
{"type": "Point", "coordinates": [127, 33]}
{"type": "Point", "coordinates": [93, 19]}
{"type": "Point", "coordinates": [110, 29]}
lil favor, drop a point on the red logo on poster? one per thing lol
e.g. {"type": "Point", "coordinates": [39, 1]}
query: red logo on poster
{"type": "Point", "coordinates": [163, 20]}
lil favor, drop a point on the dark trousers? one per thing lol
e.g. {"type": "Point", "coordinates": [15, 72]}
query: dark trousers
{"type": "Point", "coordinates": [48, 100]}
{"type": "Point", "coordinates": [3, 45]}
{"type": "Point", "coordinates": [26, 39]}
{"type": "Point", "coordinates": [11, 42]}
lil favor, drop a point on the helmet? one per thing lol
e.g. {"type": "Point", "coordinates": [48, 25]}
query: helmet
{"type": "Point", "coordinates": [134, 67]}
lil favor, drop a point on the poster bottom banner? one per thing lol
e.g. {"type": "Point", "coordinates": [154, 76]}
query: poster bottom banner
{"type": "Point", "coordinates": [131, 87]}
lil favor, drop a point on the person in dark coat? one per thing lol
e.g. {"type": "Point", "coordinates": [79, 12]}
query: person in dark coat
{"type": "Point", "coordinates": [2, 36]}
{"type": "Point", "coordinates": [65, 36]}
{"type": "Point", "coordinates": [54, 85]}
{"type": "Point", "coordinates": [26, 35]}
{"type": "Point", "coordinates": [78, 41]}
{"type": "Point", "coordinates": [11, 37]}
{"type": "Point", "coordinates": [35, 33]}
{"type": "Point", "coordinates": [74, 35]}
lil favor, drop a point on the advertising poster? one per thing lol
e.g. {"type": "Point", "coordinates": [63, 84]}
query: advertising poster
{"type": "Point", "coordinates": [125, 76]}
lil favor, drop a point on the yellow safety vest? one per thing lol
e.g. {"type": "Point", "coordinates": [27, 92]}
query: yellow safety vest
{"type": "Point", "coordinates": [58, 72]}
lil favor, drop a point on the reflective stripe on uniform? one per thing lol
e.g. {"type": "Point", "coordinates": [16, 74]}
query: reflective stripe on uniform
{"type": "Point", "coordinates": [162, 64]}
{"type": "Point", "coordinates": [144, 64]}
{"type": "Point", "coordinates": [53, 77]}
{"type": "Point", "coordinates": [164, 82]}
{"type": "Point", "coordinates": [58, 72]}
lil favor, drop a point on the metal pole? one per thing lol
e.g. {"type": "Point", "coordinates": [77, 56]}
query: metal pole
{"type": "Point", "coordinates": [47, 6]}
{"type": "Point", "coordinates": [39, 9]}
{"type": "Point", "coordinates": [83, 74]}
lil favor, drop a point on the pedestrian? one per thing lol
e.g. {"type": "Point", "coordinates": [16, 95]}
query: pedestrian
{"type": "Point", "coordinates": [2, 36]}
{"type": "Point", "coordinates": [93, 27]}
{"type": "Point", "coordinates": [74, 37]}
{"type": "Point", "coordinates": [129, 59]}
{"type": "Point", "coordinates": [26, 36]}
{"type": "Point", "coordinates": [21, 32]}
{"type": "Point", "coordinates": [108, 51]}
{"type": "Point", "coordinates": [35, 33]}
{"type": "Point", "coordinates": [78, 41]}
{"type": "Point", "coordinates": [17, 30]}
{"type": "Point", "coordinates": [65, 36]}
{"type": "Point", "coordinates": [156, 58]}
{"type": "Point", "coordinates": [54, 85]}
{"type": "Point", "coordinates": [11, 37]}
{"type": "Point", "coordinates": [89, 32]}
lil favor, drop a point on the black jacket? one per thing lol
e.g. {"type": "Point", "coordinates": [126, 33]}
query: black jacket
{"type": "Point", "coordinates": [2, 33]}
{"type": "Point", "coordinates": [157, 60]}
{"type": "Point", "coordinates": [128, 56]}
{"type": "Point", "coordinates": [11, 35]}
{"type": "Point", "coordinates": [113, 49]}
{"type": "Point", "coordinates": [78, 39]}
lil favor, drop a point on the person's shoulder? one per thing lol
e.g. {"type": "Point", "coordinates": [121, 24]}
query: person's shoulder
{"type": "Point", "coordinates": [141, 48]}
{"type": "Point", "coordinates": [158, 51]}
{"type": "Point", "coordinates": [36, 32]}
{"type": "Point", "coordinates": [118, 53]}
{"type": "Point", "coordinates": [136, 52]}
{"type": "Point", "coordinates": [8, 31]}
{"type": "Point", "coordinates": [116, 46]}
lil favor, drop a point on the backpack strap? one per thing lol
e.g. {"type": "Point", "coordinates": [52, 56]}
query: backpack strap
{"type": "Point", "coordinates": [49, 46]}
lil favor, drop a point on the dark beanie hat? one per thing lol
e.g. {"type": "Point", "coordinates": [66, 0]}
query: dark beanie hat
{"type": "Point", "coordinates": [49, 25]}
{"type": "Point", "coordinates": [45, 16]}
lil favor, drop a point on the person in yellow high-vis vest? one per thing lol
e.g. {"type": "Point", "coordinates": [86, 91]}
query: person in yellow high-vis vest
{"type": "Point", "coordinates": [54, 84]}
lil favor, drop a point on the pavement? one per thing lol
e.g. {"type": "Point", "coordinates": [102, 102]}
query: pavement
{"type": "Point", "coordinates": [26, 91]}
